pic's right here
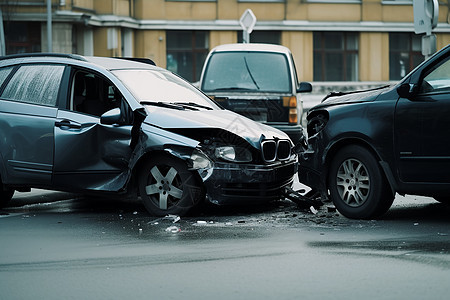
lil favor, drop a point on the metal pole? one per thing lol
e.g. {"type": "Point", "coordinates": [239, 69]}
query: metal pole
{"type": "Point", "coordinates": [49, 26]}
{"type": "Point", "coordinates": [245, 37]}
{"type": "Point", "coordinates": [2, 35]}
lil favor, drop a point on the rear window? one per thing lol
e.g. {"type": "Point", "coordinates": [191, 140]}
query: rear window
{"type": "Point", "coordinates": [35, 84]}
{"type": "Point", "coordinates": [247, 71]}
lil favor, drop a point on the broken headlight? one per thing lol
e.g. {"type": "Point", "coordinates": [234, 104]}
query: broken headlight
{"type": "Point", "coordinates": [200, 160]}
{"type": "Point", "coordinates": [233, 154]}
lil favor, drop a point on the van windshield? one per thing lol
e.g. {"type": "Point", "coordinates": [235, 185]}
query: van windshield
{"type": "Point", "coordinates": [247, 71]}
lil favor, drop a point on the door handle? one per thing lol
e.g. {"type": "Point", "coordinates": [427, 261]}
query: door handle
{"type": "Point", "coordinates": [67, 124]}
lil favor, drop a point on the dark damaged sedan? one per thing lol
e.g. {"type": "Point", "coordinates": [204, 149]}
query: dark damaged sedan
{"type": "Point", "coordinates": [364, 147]}
{"type": "Point", "coordinates": [119, 127]}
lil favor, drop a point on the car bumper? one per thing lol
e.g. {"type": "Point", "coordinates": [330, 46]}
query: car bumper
{"type": "Point", "coordinates": [310, 172]}
{"type": "Point", "coordinates": [246, 184]}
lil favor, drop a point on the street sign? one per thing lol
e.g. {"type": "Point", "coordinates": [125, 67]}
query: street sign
{"type": "Point", "coordinates": [247, 22]}
{"type": "Point", "coordinates": [426, 13]}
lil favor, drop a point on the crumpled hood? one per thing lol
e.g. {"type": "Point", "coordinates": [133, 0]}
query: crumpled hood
{"type": "Point", "coordinates": [247, 129]}
{"type": "Point", "coordinates": [352, 97]}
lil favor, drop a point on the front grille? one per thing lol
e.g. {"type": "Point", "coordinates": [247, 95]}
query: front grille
{"type": "Point", "coordinates": [269, 150]}
{"type": "Point", "coordinates": [283, 149]}
{"type": "Point", "coordinates": [273, 150]}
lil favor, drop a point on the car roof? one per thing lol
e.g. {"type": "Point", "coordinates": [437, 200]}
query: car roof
{"type": "Point", "coordinates": [252, 47]}
{"type": "Point", "coordinates": [107, 63]}
{"type": "Point", "coordinates": [110, 63]}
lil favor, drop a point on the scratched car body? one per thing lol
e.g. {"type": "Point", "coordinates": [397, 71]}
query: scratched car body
{"type": "Point", "coordinates": [123, 128]}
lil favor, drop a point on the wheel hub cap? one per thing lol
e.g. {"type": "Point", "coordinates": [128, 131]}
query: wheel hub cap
{"type": "Point", "coordinates": [353, 182]}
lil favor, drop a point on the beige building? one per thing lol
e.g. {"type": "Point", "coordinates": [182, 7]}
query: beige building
{"type": "Point", "coordinates": [331, 40]}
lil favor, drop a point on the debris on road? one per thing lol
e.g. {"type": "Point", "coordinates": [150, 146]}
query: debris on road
{"type": "Point", "coordinates": [173, 229]}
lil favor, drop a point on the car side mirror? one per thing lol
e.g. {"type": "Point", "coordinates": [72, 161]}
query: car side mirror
{"type": "Point", "coordinates": [405, 90]}
{"type": "Point", "coordinates": [305, 87]}
{"type": "Point", "coordinates": [113, 116]}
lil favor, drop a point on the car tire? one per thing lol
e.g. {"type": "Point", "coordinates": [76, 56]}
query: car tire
{"type": "Point", "coordinates": [357, 185]}
{"type": "Point", "coordinates": [166, 186]}
{"type": "Point", "coordinates": [6, 195]}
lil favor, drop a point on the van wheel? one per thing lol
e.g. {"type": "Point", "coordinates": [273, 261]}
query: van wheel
{"type": "Point", "coordinates": [6, 195]}
{"type": "Point", "coordinates": [166, 186]}
{"type": "Point", "coordinates": [357, 185]}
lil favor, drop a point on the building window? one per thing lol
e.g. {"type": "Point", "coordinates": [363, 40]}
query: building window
{"type": "Point", "coordinates": [405, 53]}
{"type": "Point", "coordinates": [335, 56]}
{"type": "Point", "coordinates": [22, 37]}
{"type": "Point", "coordinates": [186, 52]}
{"type": "Point", "coordinates": [268, 37]}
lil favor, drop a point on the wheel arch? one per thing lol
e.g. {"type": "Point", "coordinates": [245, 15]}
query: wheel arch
{"type": "Point", "coordinates": [178, 152]}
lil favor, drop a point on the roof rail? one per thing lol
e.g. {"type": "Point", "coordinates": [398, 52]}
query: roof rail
{"type": "Point", "coordinates": [139, 59]}
{"type": "Point", "coordinates": [61, 55]}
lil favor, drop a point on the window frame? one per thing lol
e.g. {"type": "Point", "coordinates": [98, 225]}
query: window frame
{"type": "Point", "coordinates": [323, 52]}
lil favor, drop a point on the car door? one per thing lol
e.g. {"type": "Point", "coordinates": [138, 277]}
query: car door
{"type": "Point", "coordinates": [28, 110]}
{"type": "Point", "coordinates": [90, 155]}
{"type": "Point", "coordinates": [422, 128]}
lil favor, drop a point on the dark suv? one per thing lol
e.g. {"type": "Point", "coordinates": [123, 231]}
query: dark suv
{"type": "Point", "coordinates": [119, 127]}
{"type": "Point", "coordinates": [364, 147]}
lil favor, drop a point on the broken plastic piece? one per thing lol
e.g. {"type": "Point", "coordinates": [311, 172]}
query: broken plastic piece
{"type": "Point", "coordinates": [309, 199]}
{"type": "Point", "coordinates": [313, 210]}
{"type": "Point", "coordinates": [173, 229]}
{"type": "Point", "coordinates": [173, 218]}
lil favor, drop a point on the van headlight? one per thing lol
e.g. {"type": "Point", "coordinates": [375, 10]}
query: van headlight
{"type": "Point", "coordinates": [233, 154]}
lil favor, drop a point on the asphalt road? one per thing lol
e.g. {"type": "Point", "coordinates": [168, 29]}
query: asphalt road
{"type": "Point", "coordinates": [60, 246]}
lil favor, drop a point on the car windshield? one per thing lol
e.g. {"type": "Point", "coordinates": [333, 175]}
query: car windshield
{"type": "Point", "coordinates": [160, 87]}
{"type": "Point", "coordinates": [247, 71]}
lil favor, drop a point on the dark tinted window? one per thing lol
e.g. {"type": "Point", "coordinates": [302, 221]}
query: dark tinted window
{"type": "Point", "coordinates": [336, 56]}
{"type": "Point", "coordinates": [186, 52]}
{"type": "Point", "coordinates": [266, 37]}
{"type": "Point", "coordinates": [35, 84]}
{"type": "Point", "coordinates": [256, 71]}
{"type": "Point", "coordinates": [405, 53]}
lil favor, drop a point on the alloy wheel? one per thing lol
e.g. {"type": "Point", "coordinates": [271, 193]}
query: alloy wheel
{"type": "Point", "coordinates": [353, 182]}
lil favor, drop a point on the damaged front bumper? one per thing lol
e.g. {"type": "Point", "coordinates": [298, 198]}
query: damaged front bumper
{"type": "Point", "coordinates": [311, 171]}
{"type": "Point", "coordinates": [244, 184]}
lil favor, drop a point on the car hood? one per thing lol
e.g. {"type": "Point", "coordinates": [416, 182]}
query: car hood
{"type": "Point", "coordinates": [351, 97]}
{"type": "Point", "coordinates": [223, 120]}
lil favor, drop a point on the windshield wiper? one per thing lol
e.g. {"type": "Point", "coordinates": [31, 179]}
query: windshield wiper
{"type": "Point", "coordinates": [193, 104]}
{"type": "Point", "coordinates": [163, 104]}
{"type": "Point", "coordinates": [250, 73]}
{"type": "Point", "coordinates": [231, 89]}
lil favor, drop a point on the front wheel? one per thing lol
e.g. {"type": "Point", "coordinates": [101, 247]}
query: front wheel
{"type": "Point", "coordinates": [167, 187]}
{"type": "Point", "coordinates": [357, 185]}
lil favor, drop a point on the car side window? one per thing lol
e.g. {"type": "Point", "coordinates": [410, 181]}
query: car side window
{"type": "Point", "coordinates": [91, 94]}
{"type": "Point", "coordinates": [438, 80]}
{"type": "Point", "coordinates": [37, 84]}
{"type": "Point", "coordinates": [4, 72]}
